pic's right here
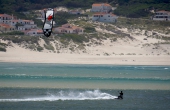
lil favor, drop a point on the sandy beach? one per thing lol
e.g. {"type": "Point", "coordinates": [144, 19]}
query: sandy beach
{"type": "Point", "coordinates": [35, 57]}
{"type": "Point", "coordinates": [84, 59]}
{"type": "Point", "coordinates": [118, 53]}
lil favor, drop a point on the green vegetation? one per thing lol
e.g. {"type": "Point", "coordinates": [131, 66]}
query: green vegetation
{"type": "Point", "coordinates": [20, 39]}
{"type": "Point", "coordinates": [49, 47]}
{"type": "Point", "coordinates": [39, 48]}
{"type": "Point", "coordinates": [143, 24]}
{"type": "Point", "coordinates": [3, 47]}
{"type": "Point", "coordinates": [63, 17]}
{"type": "Point", "coordinates": [89, 30]}
{"type": "Point", "coordinates": [82, 23]}
{"type": "Point", "coordinates": [128, 8]}
{"type": "Point", "coordinates": [38, 22]}
{"type": "Point", "coordinates": [74, 37]}
{"type": "Point", "coordinates": [3, 44]}
{"type": "Point", "coordinates": [13, 33]}
{"type": "Point", "coordinates": [31, 46]}
{"type": "Point", "coordinates": [13, 6]}
{"type": "Point", "coordinates": [140, 8]}
{"type": "Point", "coordinates": [166, 38]}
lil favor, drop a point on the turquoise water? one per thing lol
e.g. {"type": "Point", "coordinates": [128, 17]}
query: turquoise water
{"type": "Point", "coordinates": [86, 87]}
{"type": "Point", "coordinates": [84, 76]}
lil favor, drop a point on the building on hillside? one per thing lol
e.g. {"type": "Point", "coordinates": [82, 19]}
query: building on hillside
{"type": "Point", "coordinates": [101, 7]}
{"type": "Point", "coordinates": [162, 16]}
{"type": "Point", "coordinates": [33, 32]}
{"type": "Point", "coordinates": [15, 24]}
{"type": "Point", "coordinates": [21, 28]}
{"type": "Point", "coordinates": [104, 17]}
{"type": "Point", "coordinates": [40, 32]}
{"type": "Point", "coordinates": [6, 27]}
{"type": "Point", "coordinates": [5, 18]}
{"type": "Point", "coordinates": [68, 28]}
{"type": "Point", "coordinates": [24, 24]}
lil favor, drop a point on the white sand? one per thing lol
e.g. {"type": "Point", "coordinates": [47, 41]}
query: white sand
{"type": "Point", "coordinates": [121, 52]}
{"type": "Point", "coordinates": [37, 57]}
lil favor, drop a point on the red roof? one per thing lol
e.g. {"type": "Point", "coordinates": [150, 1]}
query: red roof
{"type": "Point", "coordinates": [26, 31]}
{"type": "Point", "coordinates": [100, 4]}
{"type": "Point", "coordinates": [100, 13]}
{"type": "Point", "coordinates": [28, 20]}
{"type": "Point", "coordinates": [39, 31]}
{"type": "Point", "coordinates": [103, 13]}
{"type": "Point", "coordinates": [5, 25]}
{"type": "Point", "coordinates": [112, 14]}
{"type": "Point", "coordinates": [5, 15]}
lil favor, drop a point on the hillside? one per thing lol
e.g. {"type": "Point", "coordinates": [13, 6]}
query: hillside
{"type": "Point", "coordinates": [140, 8]}
{"type": "Point", "coordinates": [124, 31]}
{"type": "Point", "coordinates": [25, 5]}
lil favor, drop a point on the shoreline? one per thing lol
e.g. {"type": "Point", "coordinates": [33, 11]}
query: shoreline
{"type": "Point", "coordinates": [86, 64]}
{"type": "Point", "coordinates": [53, 58]}
{"type": "Point", "coordinates": [83, 64]}
{"type": "Point", "coordinates": [55, 88]}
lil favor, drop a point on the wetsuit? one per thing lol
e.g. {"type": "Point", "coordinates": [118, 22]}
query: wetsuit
{"type": "Point", "coordinates": [121, 95]}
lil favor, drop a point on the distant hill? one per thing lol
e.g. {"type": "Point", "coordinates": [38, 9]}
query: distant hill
{"type": "Point", "coordinates": [128, 8]}
{"type": "Point", "coordinates": [25, 5]}
{"type": "Point", "coordinates": [16, 6]}
{"type": "Point", "coordinates": [140, 8]}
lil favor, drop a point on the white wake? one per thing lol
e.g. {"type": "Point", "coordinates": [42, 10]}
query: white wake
{"type": "Point", "coordinates": [71, 95]}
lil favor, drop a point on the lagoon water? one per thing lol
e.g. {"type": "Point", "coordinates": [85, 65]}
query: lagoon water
{"type": "Point", "coordinates": [29, 86]}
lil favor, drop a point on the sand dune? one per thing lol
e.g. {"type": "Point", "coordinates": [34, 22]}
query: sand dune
{"type": "Point", "coordinates": [121, 52]}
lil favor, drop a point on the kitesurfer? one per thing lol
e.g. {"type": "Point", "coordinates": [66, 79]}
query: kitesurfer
{"type": "Point", "coordinates": [121, 95]}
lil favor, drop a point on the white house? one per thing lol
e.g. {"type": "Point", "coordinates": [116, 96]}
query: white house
{"type": "Point", "coordinates": [21, 28]}
{"type": "Point", "coordinates": [25, 24]}
{"type": "Point", "coordinates": [68, 28]}
{"type": "Point", "coordinates": [101, 7]}
{"type": "Point", "coordinates": [5, 18]}
{"type": "Point", "coordinates": [30, 26]}
{"type": "Point", "coordinates": [6, 27]}
{"type": "Point", "coordinates": [39, 32]}
{"type": "Point", "coordinates": [162, 16]}
{"type": "Point", "coordinates": [8, 23]}
{"type": "Point", "coordinates": [104, 17]}
{"type": "Point", "coordinates": [11, 20]}
{"type": "Point", "coordinates": [31, 32]}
